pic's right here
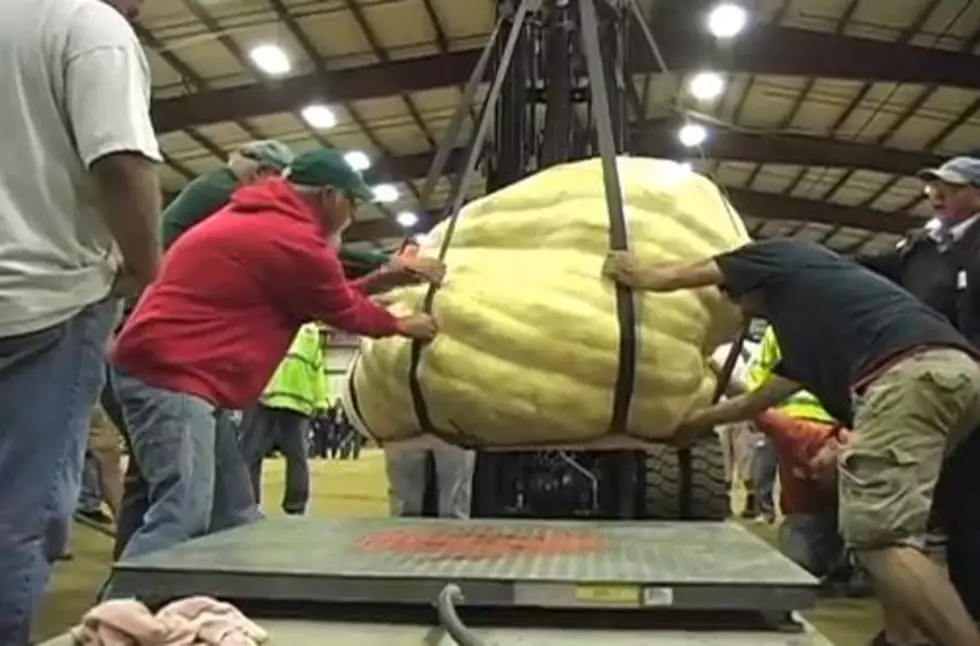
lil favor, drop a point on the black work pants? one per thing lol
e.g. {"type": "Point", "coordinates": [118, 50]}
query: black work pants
{"type": "Point", "coordinates": [264, 429]}
{"type": "Point", "coordinates": [956, 511]}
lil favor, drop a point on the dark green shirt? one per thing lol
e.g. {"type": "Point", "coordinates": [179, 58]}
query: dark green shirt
{"type": "Point", "coordinates": [208, 194]}
{"type": "Point", "coordinates": [201, 198]}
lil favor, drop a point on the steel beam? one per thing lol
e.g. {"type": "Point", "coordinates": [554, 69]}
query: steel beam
{"type": "Point", "coordinates": [340, 86]}
{"type": "Point", "coordinates": [659, 139]}
{"type": "Point", "coordinates": [684, 44]}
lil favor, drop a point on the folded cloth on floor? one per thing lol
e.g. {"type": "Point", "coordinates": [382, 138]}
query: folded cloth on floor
{"type": "Point", "coordinates": [194, 621]}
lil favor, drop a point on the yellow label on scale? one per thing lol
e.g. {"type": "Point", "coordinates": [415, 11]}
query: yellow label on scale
{"type": "Point", "coordinates": [608, 593]}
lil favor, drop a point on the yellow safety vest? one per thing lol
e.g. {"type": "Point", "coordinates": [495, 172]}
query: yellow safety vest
{"type": "Point", "coordinates": [800, 405]}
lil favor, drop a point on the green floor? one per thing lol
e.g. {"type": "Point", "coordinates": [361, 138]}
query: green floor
{"type": "Point", "coordinates": [350, 489]}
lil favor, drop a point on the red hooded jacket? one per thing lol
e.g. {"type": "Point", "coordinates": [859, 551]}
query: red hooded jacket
{"type": "Point", "coordinates": [232, 293]}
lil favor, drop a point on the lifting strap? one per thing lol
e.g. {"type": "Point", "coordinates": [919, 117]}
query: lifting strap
{"type": "Point", "coordinates": [474, 149]}
{"type": "Point", "coordinates": [618, 232]}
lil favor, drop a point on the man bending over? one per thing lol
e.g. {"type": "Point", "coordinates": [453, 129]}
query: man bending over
{"type": "Point", "coordinates": [880, 362]}
{"type": "Point", "coordinates": [232, 293]}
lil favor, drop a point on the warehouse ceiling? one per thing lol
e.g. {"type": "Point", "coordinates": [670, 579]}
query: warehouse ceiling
{"type": "Point", "coordinates": [829, 106]}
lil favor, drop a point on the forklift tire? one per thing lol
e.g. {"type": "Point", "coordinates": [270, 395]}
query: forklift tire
{"type": "Point", "coordinates": [663, 484]}
{"type": "Point", "coordinates": [708, 496]}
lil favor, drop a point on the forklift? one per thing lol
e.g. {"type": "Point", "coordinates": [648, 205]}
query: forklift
{"type": "Point", "coordinates": [567, 548]}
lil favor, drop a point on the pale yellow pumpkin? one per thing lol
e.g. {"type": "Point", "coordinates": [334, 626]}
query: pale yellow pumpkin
{"type": "Point", "coordinates": [528, 347]}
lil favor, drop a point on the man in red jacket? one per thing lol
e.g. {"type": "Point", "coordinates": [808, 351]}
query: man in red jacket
{"type": "Point", "coordinates": [209, 333]}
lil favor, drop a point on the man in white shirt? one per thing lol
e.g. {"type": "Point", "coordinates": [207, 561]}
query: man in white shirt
{"type": "Point", "coordinates": [79, 200]}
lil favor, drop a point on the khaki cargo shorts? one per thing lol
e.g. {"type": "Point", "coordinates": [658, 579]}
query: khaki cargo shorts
{"type": "Point", "coordinates": [906, 422]}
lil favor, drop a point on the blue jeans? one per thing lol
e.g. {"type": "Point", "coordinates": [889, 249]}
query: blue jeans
{"type": "Point", "coordinates": [90, 497]}
{"type": "Point", "coordinates": [813, 542]}
{"type": "Point", "coordinates": [177, 443]}
{"type": "Point", "coordinates": [265, 428]}
{"type": "Point", "coordinates": [49, 381]}
{"type": "Point", "coordinates": [232, 504]}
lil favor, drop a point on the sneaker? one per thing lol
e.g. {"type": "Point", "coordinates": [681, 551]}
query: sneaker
{"type": "Point", "coordinates": [95, 515]}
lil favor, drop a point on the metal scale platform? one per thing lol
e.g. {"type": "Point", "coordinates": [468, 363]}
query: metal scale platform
{"type": "Point", "coordinates": [503, 564]}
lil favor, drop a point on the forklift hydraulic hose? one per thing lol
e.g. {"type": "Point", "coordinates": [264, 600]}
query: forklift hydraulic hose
{"type": "Point", "coordinates": [449, 618]}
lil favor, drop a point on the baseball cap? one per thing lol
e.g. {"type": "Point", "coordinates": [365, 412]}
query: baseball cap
{"type": "Point", "coordinates": [326, 167]}
{"type": "Point", "coordinates": [268, 151]}
{"type": "Point", "coordinates": [959, 171]}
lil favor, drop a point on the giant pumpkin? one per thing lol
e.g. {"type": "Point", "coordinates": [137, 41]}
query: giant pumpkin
{"type": "Point", "coordinates": [527, 353]}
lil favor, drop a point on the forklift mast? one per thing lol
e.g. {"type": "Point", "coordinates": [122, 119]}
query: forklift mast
{"type": "Point", "coordinates": [545, 117]}
{"type": "Point", "coordinates": [561, 90]}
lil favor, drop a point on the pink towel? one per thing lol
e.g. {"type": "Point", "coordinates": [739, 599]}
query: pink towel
{"type": "Point", "coordinates": [195, 621]}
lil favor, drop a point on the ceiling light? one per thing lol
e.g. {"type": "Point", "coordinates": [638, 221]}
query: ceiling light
{"type": "Point", "coordinates": [407, 219]}
{"type": "Point", "coordinates": [692, 134]}
{"type": "Point", "coordinates": [706, 86]}
{"type": "Point", "coordinates": [385, 193]}
{"type": "Point", "coordinates": [727, 20]}
{"type": "Point", "coordinates": [357, 160]}
{"type": "Point", "coordinates": [271, 59]}
{"type": "Point", "coordinates": [319, 117]}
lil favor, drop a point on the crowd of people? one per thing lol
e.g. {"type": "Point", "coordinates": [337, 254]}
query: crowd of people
{"type": "Point", "coordinates": [178, 320]}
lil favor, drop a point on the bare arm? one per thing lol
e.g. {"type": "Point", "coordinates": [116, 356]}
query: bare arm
{"type": "Point", "coordinates": [747, 405]}
{"type": "Point", "coordinates": [624, 269]}
{"type": "Point", "coordinates": [129, 193]}
{"type": "Point", "coordinates": [107, 99]}
{"type": "Point", "coordinates": [742, 407]}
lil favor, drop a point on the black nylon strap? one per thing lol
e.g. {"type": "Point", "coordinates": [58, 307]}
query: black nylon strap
{"type": "Point", "coordinates": [618, 233]}
{"type": "Point", "coordinates": [473, 154]}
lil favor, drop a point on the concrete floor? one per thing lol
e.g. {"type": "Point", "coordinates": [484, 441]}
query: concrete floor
{"type": "Point", "coordinates": [352, 489]}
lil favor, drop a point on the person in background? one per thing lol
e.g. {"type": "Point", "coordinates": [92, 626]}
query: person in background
{"type": "Point", "coordinates": [319, 433]}
{"type": "Point", "coordinates": [90, 498]}
{"type": "Point", "coordinates": [106, 451]}
{"type": "Point", "coordinates": [282, 416]}
{"type": "Point", "coordinates": [208, 194]}
{"type": "Point", "coordinates": [243, 281]}
{"type": "Point", "coordinates": [337, 428]}
{"type": "Point", "coordinates": [102, 479]}
{"type": "Point", "coordinates": [738, 440]}
{"type": "Point", "coordinates": [804, 438]}
{"type": "Point", "coordinates": [940, 264]}
{"type": "Point", "coordinates": [801, 406]}
{"type": "Point", "coordinates": [880, 362]}
{"type": "Point", "coordinates": [79, 199]}
{"type": "Point", "coordinates": [407, 470]}
{"type": "Point", "coordinates": [352, 442]}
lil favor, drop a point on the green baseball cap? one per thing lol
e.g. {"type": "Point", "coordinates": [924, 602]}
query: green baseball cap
{"type": "Point", "coordinates": [325, 167]}
{"type": "Point", "coordinates": [268, 151]}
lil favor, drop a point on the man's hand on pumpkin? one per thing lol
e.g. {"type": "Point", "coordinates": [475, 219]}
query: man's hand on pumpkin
{"type": "Point", "coordinates": [420, 268]}
{"type": "Point", "coordinates": [623, 268]}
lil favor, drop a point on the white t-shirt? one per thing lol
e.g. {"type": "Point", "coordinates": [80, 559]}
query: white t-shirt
{"type": "Point", "coordinates": [741, 370]}
{"type": "Point", "coordinates": [74, 87]}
